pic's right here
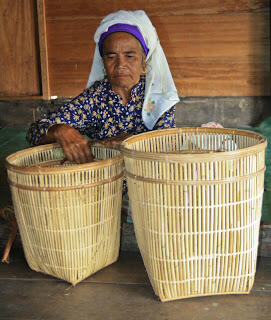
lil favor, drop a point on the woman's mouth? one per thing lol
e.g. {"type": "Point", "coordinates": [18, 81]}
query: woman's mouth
{"type": "Point", "coordinates": [121, 75]}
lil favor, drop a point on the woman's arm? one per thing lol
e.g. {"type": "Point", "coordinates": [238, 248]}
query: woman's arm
{"type": "Point", "coordinates": [79, 114]}
{"type": "Point", "coordinates": [65, 126]}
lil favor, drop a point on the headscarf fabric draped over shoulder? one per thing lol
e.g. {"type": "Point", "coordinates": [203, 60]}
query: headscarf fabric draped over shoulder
{"type": "Point", "coordinates": [160, 90]}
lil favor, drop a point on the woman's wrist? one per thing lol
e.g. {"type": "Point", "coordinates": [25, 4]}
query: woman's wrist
{"type": "Point", "coordinates": [51, 133]}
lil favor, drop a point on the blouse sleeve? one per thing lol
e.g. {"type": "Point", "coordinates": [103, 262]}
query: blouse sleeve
{"type": "Point", "coordinates": [79, 113]}
{"type": "Point", "coordinates": [167, 120]}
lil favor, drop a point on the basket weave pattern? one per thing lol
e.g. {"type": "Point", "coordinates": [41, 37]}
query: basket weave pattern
{"type": "Point", "coordinates": [68, 216]}
{"type": "Point", "coordinates": [196, 197]}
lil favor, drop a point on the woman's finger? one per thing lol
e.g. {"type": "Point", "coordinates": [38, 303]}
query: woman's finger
{"type": "Point", "coordinates": [87, 152]}
{"type": "Point", "coordinates": [81, 153]}
{"type": "Point", "coordinates": [68, 154]}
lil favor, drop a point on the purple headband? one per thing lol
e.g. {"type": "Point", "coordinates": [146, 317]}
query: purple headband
{"type": "Point", "coordinates": [123, 27]}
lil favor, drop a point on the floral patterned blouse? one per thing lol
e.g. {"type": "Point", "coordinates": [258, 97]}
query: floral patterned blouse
{"type": "Point", "coordinates": [98, 112]}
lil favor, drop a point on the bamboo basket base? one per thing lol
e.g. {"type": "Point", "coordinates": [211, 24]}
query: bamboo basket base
{"type": "Point", "coordinates": [91, 272]}
{"type": "Point", "coordinates": [75, 254]}
{"type": "Point", "coordinates": [202, 295]}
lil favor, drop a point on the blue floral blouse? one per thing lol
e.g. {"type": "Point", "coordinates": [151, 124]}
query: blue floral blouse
{"type": "Point", "coordinates": [98, 112]}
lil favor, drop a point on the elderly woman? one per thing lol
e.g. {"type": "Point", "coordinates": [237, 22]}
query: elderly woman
{"type": "Point", "coordinates": [130, 90]}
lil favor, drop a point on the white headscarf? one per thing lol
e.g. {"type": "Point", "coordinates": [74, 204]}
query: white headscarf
{"type": "Point", "coordinates": [160, 91]}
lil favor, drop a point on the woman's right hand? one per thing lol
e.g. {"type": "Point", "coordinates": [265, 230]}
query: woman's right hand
{"type": "Point", "coordinates": [76, 148]}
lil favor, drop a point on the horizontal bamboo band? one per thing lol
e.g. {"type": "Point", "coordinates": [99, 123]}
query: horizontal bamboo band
{"type": "Point", "coordinates": [50, 249]}
{"type": "Point", "coordinates": [26, 205]}
{"type": "Point", "coordinates": [129, 151]}
{"type": "Point", "coordinates": [199, 293]}
{"type": "Point", "coordinates": [208, 278]}
{"type": "Point", "coordinates": [83, 186]}
{"type": "Point", "coordinates": [203, 257]}
{"type": "Point", "coordinates": [220, 205]}
{"type": "Point", "coordinates": [192, 182]}
{"type": "Point", "coordinates": [39, 169]}
{"type": "Point", "coordinates": [183, 234]}
{"type": "Point", "coordinates": [193, 130]}
{"type": "Point", "coordinates": [77, 230]}
{"type": "Point", "coordinates": [193, 157]}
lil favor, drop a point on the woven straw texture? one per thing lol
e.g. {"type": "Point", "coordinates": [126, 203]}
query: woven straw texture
{"type": "Point", "coordinates": [196, 197]}
{"type": "Point", "coordinates": [68, 215]}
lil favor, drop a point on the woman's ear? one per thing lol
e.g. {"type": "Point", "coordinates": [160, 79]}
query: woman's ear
{"type": "Point", "coordinates": [144, 67]}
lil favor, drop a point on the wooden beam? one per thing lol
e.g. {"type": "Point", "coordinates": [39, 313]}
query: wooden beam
{"type": "Point", "coordinates": [43, 50]}
{"type": "Point", "coordinates": [3, 98]}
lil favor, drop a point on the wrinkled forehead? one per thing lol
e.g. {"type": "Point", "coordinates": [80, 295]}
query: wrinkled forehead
{"type": "Point", "coordinates": [123, 41]}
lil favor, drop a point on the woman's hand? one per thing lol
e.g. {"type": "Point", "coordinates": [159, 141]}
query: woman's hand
{"type": "Point", "coordinates": [74, 145]}
{"type": "Point", "coordinates": [212, 124]}
{"type": "Point", "coordinates": [115, 142]}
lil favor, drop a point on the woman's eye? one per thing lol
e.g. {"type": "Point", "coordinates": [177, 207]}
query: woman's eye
{"type": "Point", "coordinates": [110, 56]}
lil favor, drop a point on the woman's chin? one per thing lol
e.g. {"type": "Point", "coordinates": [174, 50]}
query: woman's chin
{"type": "Point", "coordinates": [123, 82]}
{"type": "Point", "coordinates": [122, 79]}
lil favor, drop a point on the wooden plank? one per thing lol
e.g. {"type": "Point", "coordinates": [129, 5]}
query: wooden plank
{"type": "Point", "coordinates": [193, 36]}
{"type": "Point", "coordinates": [43, 50]}
{"type": "Point", "coordinates": [220, 77]}
{"type": "Point", "coordinates": [68, 80]}
{"type": "Point", "coordinates": [209, 55]}
{"type": "Point", "coordinates": [218, 55]}
{"type": "Point", "coordinates": [97, 9]}
{"type": "Point", "coordinates": [19, 60]}
{"type": "Point", "coordinates": [71, 52]}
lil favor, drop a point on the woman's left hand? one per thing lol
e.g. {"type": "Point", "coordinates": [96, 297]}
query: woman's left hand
{"type": "Point", "coordinates": [115, 142]}
{"type": "Point", "coordinates": [212, 124]}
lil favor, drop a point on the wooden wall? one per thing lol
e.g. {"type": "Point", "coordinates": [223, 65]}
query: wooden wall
{"type": "Point", "coordinates": [19, 49]}
{"type": "Point", "coordinates": [214, 47]}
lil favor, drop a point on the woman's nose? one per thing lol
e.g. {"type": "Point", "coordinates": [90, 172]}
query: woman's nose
{"type": "Point", "coordinates": [120, 61]}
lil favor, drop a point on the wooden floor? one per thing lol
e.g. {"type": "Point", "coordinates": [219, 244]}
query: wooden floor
{"type": "Point", "coordinates": [120, 291]}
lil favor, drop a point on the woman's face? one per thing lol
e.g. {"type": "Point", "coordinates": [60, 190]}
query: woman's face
{"type": "Point", "coordinates": [123, 60]}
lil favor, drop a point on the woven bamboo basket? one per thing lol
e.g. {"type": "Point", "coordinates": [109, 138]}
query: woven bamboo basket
{"type": "Point", "coordinates": [68, 215]}
{"type": "Point", "coordinates": [196, 197]}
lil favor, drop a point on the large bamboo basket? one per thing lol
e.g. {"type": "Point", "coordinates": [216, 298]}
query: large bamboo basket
{"type": "Point", "coordinates": [196, 197]}
{"type": "Point", "coordinates": [68, 216]}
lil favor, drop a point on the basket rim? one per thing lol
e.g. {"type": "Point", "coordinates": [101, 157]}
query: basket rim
{"type": "Point", "coordinates": [45, 170]}
{"type": "Point", "coordinates": [190, 156]}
